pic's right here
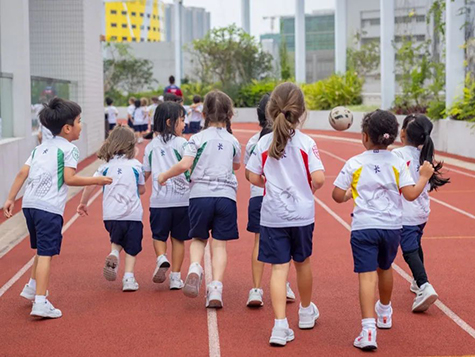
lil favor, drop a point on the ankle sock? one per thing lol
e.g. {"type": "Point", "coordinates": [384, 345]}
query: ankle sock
{"type": "Point", "coordinates": [175, 275]}
{"type": "Point", "coordinates": [368, 323]}
{"type": "Point", "coordinates": [128, 275]}
{"type": "Point", "coordinates": [282, 323]}
{"type": "Point", "coordinates": [114, 252]}
{"type": "Point", "coordinates": [32, 283]}
{"type": "Point", "coordinates": [307, 309]}
{"type": "Point", "coordinates": [216, 283]}
{"type": "Point", "coordinates": [40, 299]}
{"type": "Point", "coordinates": [383, 308]}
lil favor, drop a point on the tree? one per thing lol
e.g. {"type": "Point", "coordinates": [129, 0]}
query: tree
{"type": "Point", "coordinates": [285, 71]}
{"type": "Point", "coordinates": [231, 56]}
{"type": "Point", "coordinates": [124, 73]}
{"type": "Point", "coordinates": [364, 60]}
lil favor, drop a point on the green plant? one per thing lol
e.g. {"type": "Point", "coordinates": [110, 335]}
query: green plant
{"type": "Point", "coordinates": [364, 60]}
{"type": "Point", "coordinates": [285, 70]}
{"type": "Point", "coordinates": [333, 91]}
{"type": "Point", "coordinates": [464, 108]}
{"type": "Point", "coordinates": [436, 109]}
{"type": "Point", "coordinates": [191, 89]}
{"type": "Point", "coordinates": [250, 94]}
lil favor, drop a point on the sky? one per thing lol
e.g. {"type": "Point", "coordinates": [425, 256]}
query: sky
{"type": "Point", "coordinates": [226, 12]}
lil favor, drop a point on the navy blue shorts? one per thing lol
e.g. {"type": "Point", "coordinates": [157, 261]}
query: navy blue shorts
{"type": "Point", "coordinates": [411, 237]}
{"type": "Point", "coordinates": [218, 214]}
{"type": "Point", "coordinates": [195, 127]}
{"type": "Point", "coordinates": [140, 128]}
{"type": "Point", "coordinates": [280, 245]}
{"type": "Point", "coordinates": [168, 221]}
{"type": "Point", "coordinates": [374, 248]}
{"type": "Point", "coordinates": [111, 126]}
{"type": "Point", "coordinates": [45, 231]}
{"type": "Point", "coordinates": [254, 214]}
{"type": "Point", "coordinates": [127, 234]}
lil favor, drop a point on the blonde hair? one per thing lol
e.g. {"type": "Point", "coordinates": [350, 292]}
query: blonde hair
{"type": "Point", "coordinates": [121, 141]}
{"type": "Point", "coordinates": [218, 108]}
{"type": "Point", "coordinates": [132, 100]}
{"type": "Point", "coordinates": [285, 108]}
{"type": "Point", "coordinates": [143, 101]}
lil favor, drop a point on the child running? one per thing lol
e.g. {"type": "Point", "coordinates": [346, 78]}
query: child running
{"type": "Point", "coordinates": [375, 179]}
{"type": "Point", "coordinates": [121, 206]}
{"type": "Point", "coordinates": [254, 212]}
{"type": "Point", "coordinates": [287, 163]}
{"type": "Point", "coordinates": [48, 172]}
{"type": "Point", "coordinates": [418, 147]}
{"type": "Point", "coordinates": [169, 203]}
{"type": "Point", "coordinates": [212, 155]}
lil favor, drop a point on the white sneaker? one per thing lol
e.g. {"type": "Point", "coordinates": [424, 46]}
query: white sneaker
{"type": "Point", "coordinates": [140, 140]}
{"type": "Point", "coordinates": [130, 284]}
{"type": "Point", "coordinates": [385, 319]}
{"type": "Point", "coordinates": [29, 293]}
{"type": "Point", "coordinates": [290, 294]}
{"type": "Point", "coordinates": [425, 297]}
{"type": "Point", "coordinates": [193, 280]}
{"type": "Point", "coordinates": [214, 296]}
{"type": "Point", "coordinates": [366, 340]}
{"type": "Point", "coordinates": [280, 336]}
{"type": "Point", "coordinates": [255, 298]}
{"type": "Point", "coordinates": [46, 310]}
{"type": "Point", "coordinates": [307, 319]}
{"type": "Point", "coordinates": [159, 275]}
{"type": "Point", "coordinates": [110, 267]}
{"type": "Point", "coordinates": [414, 288]}
{"type": "Point", "coordinates": [176, 283]}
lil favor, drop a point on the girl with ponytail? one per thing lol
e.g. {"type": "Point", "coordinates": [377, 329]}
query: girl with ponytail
{"type": "Point", "coordinates": [418, 147]}
{"type": "Point", "coordinates": [290, 162]}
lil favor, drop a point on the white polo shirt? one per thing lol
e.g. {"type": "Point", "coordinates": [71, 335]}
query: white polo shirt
{"type": "Point", "coordinates": [112, 113]}
{"type": "Point", "coordinates": [121, 199]}
{"type": "Point", "coordinates": [45, 187]}
{"type": "Point", "coordinates": [212, 175]}
{"type": "Point", "coordinates": [159, 157]}
{"type": "Point", "coordinates": [416, 212]}
{"type": "Point", "coordinates": [375, 178]}
{"type": "Point", "coordinates": [288, 198]}
{"type": "Point", "coordinates": [250, 147]}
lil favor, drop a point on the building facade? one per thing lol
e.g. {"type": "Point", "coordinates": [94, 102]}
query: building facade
{"type": "Point", "coordinates": [195, 23]}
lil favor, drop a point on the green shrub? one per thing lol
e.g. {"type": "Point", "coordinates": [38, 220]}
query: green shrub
{"type": "Point", "coordinates": [334, 91]}
{"type": "Point", "coordinates": [464, 109]}
{"type": "Point", "coordinates": [194, 88]}
{"type": "Point", "coordinates": [436, 110]}
{"type": "Point", "coordinates": [250, 95]}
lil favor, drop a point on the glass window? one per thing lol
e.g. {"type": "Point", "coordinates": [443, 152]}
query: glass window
{"type": "Point", "coordinates": [124, 26]}
{"type": "Point", "coordinates": [141, 14]}
{"type": "Point", "coordinates": [134, 13]}
{"type": "Point", "coordinates": [124, 38]}
{"type": "Point", "coordinates": [6, 106]}
{"type": "Point", "coordinates": [113, 12]}
{"type": "Point", "coordinates": [124, 12]}
{"type": "Point", "coordinates": [134, 26]}
{"type": "Point", "coordinates": [420, 18]}
{"type": "Point", "coordinates": [148, 15]}
{"type": "Point", "coordinates": [113, 24]}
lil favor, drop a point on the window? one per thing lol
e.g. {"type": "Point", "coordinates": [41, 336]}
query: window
{"type": "Point", "coordinates": [134, 26]}
{"type": "Point", "coordinates": [114, 12]}
{"type": "Point", "coordinates": [113, 24]}
{"type": "Point", "coordinates": [420, 18]}
{"type": "Point", "coordinates": [113, 38]}
{"type": "Point", "coordinates": [403, 19]}
{"type": "Point", "coordinates": [148, 15]}
{"type": "Point", "coordinates": [134, 13]}
{"type": "Point", "coordinates": [371, 22]}
{"type": "Point", "coordinates": [141, 27]}
{"type": "Point", "coordinates": [148, 28]}
{"type": "Point", "coordinates": [154, 29]}
{"type": "Point", "coordinates": [124, 26]}
{"type": "Point", "coordinates": [141, 14]}
{"type": "Point", "coordinates": [420, 38]}
{"type": "Point", "coordinates": [154, 16]}
{"type": "Point", "coordinates": [142, 39]}
{"type": "Point", "coordinates": [125, 38]}
{"type": "Point", "coordinates": [124, 12]}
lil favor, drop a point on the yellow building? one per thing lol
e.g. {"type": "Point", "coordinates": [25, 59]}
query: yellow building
{"type": "Point", "coordinates": [134, 21]}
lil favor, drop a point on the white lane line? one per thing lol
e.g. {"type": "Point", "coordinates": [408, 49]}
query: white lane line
{"type": "Point", "coordinates": [28, 265]}
{"type": "Point", "coordinates": [213, 332]}
{"type": "Point", "coordinates": [449, 169]}
{"type": "Point", "coordinates": [444, 308]}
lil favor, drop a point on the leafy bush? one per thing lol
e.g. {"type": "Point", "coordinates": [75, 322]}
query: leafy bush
{"type": "Point", "coordinates": [436, 110]}
{"type": "Point", "coordinates": [464, 109]}
{"type": "Point", "coordinates": [195, 88]}
{"type": "Point", "coordinates": [334, 91]}
{"type": "Point", "coordinates": [250, 94]}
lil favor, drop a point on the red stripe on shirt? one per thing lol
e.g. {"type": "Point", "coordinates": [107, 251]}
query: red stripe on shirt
{"type": "Point", "coordinates": [305, 161]}
{"type": "Point", "coordinates": [264, 156]}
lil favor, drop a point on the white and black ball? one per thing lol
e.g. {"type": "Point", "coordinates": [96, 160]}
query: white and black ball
{"type": "Point", "coordinates": [340, 118]}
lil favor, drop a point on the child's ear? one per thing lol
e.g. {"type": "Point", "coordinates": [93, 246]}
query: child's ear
{"type": "Point", "coordinates": [169, 122]}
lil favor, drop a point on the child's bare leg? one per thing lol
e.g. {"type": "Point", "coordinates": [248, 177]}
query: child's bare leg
{"type": "Point", "coordinates": [33, 268]}
{"type": "Point", "coordinates": [219, 259]}
{"type": "Point", "coordinates": [129, 263]}
{"type": "Point", "coordinates": [368, 284]}
{"type": "Point", "coordinates": [257, 266]}
{"type": "Point", "coordinates": [278, 289]}
{"type": "Point", "coordinates": [385, 285]}
{"type": "Point", "coordinates": [304, 281]}
{"type": "Point", "coordinates": [116, 247]}
{"type": "Point", "coordinates": [197, 250]}
{"type": "Point", "coordinates": [43, 268]}
{"type": "Point", "coordinates": [160, 247]}
{"type": "Point", "coordinates": [178, 254]}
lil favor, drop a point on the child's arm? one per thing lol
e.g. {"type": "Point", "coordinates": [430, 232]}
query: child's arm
{"type": "Point", "coordinates": [318, 179]}
{"type": "Point", "coordinates": [82, 208]}
{"type": "Point", "coordinates": [256, 180]}
{"type": "Point", "coordinates": [147, 175]}
{"type": "Point", "coordinates": [177, 169]}
{"type": "Point", "coordinates": [142, 189]}
{"type": "Point", "coordinates": [236, 166]}
{"type": "Point", "coordinates": [341, 196]}
{"type": "Point", "coordinates": [426, 171]}
{"type": "Point", "coordinates": [71, 179]}
{"type": "Point", "coordinates": [16, 186]}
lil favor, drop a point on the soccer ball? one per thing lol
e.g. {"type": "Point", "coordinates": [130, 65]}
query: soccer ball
{"type": "Point", "coordinates": [340, 118]}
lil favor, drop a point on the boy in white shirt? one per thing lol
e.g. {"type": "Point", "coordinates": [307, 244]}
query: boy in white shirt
{"type": "Point", "coordinates": [112, 113]}
{"type": "Point", "coordinates": [49, 170]}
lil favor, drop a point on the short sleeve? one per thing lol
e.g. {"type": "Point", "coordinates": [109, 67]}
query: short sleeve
{"type": "Point", "coordinates": [147, 158]}
{"type": "Point", "coordinates": [30, 158]}
{"type": "Point", "coordinates": [344, 178]}
{"type": "Point", "coordinates": [100, 171]}
{"type": "Point", "coordinates": [191, 148]}
{"type": "Point", "coordinates": [181, 144]}
{"type": "Point", "coordinates": [140, 169]}
{"type": "Point", "coordinates": [255, 161]}
{"type": "Point", "coordinates": [405, 178]}
{"type": "Point", "coordinates": [71, 157]}
{"type": "Point", "coordinates": [250, 147]}
{"type": "Point", "coordinates": [398, 153]}
{"type": "Point", "coordinates": [116, 111]}
{"type": "Point", "coordinates": [237, 151]}
{"type": "Point", "coordinates": [314, 161]}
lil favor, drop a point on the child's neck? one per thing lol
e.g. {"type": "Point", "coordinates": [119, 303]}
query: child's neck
{"type": "Point", "coordinates": [373, 147]}
{"type": "Point", "coordinates": [64, 136]}
{"type": "Point", "coordinates": [217, 125]}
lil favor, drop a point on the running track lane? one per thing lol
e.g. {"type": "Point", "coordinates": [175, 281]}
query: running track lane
{"type": "Point", "coordinates": [99, 318]}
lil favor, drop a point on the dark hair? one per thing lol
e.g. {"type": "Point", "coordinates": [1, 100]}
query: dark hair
{"type": "Point", "coordinates": [261, 111]}
{"type": "Point", "coordinates": [196, 99]}
{"type": "Point", "coordinates": [171, 79]}
{"type": "Point", "coordinates": [109, 101]}
{"type": "Point", "coordinates": [218, 108]}
{"type": "Point", "coordinates": [170, 97]}
{"type": "Point", "coordinates": [155, 99]}
{"type": "Point", "coordinates": [168, 110]}
{"type": "Point", "coordinates": [121, 141]}
{"type": "Point", "coordinates": [286, 106]}
{"type": "Point", "coordinates": [138, 103]}
{"type": "Point", "coordinates": [58, 113]}
{"type": "Point", "coordinates": [381, 127]}
{"type": "Point", "coordinates": [418, 128]}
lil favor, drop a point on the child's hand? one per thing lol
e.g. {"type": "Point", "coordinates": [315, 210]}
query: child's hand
{"type": "Point", "coordinates": [82, 210]}
{"type": "Point", "coordinates": [161, 180]}
{"type": "Point", "coordinates": [8, 208]}
{"type": "Point", "coordinates": [103, 180]}
{"type": "Point", "coordinates": [426, 170]}
{"type": "Point", "coordinates": [348, 195]}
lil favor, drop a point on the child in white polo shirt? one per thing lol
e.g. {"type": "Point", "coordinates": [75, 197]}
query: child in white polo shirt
{"type": "Point", "coordinates": [49, 170]}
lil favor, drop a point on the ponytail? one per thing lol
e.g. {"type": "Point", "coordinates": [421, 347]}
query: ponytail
{"type": "Point", "coordinates": [418, 129]}
{"type": "Point", "coordinates": [283, 131]}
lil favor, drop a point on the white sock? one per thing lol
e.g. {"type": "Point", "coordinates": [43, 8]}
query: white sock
{"type": "Point", "coordinates": [128, 275]}
{"type": "Point", "coordinates": [383, 308]}
{"type": "Point", "coordinates": [115, 252]}
{"type": "Point", "coordinates": [32, 283]}
{"type": "Point", "coordinates": [175, 275]}
{"type": "Point", "coordinates": [282, 323]}
{"type": "Point", "coordinates": [368, 323]}
{"type": "Point", "coordinates": [306, 309]}
{"type": "Point", "coordinates": [40, 299]}
{"type": "Point", "coordinates": [423, 286]}
{"type": "Point", "coordinates": [216, 283]}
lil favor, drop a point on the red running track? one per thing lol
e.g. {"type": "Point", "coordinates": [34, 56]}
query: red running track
{"type": "Point", "coordinates": [99, 319]}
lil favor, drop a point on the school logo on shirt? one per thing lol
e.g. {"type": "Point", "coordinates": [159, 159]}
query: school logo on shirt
{"type": "Point", "coordinates": [316, 152]}
{"type": "Point", "coordinates": [75, 154]}
{"type": "Point", "coordinates": [220, 146]}
{"type": "Point", "coordinates": [119, 171]}
{"type": "Point", "coordinates": [377, 169]}
{"type": "Point", "coordinates": [45, 151]}
{"type": "Point", "coordinates": [162, 152]}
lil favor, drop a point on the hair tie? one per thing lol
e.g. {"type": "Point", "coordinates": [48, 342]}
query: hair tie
{"type": "Point", "coordinates": [386, 136]}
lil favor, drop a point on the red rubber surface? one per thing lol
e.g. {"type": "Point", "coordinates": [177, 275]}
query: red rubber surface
{"type": "Point", "coordinates": [99, 319]}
